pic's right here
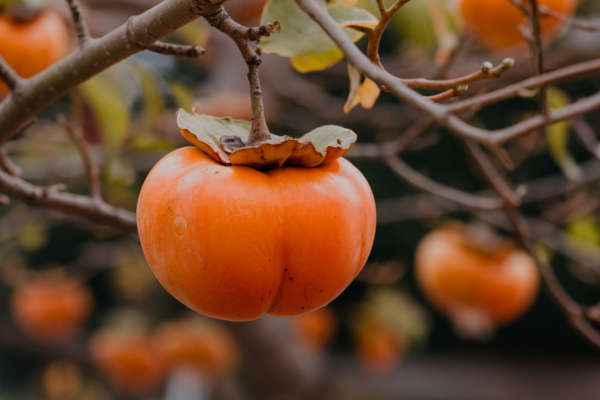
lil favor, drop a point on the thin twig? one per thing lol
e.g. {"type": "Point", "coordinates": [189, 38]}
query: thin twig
{"type": "Point", "coordinates": [7, 164]}
{"type": "Point", "coordinates": [420, 181]}
{"type": "Point", "coordinates": [8, 75]}
{"type": "Point", "coordinates": [83, 33]}
{"type": "Point", "coordinates": [171, 49]}
{"type": "Point", "coordinates": [487, 71]}
{"type": "Point", "coordinates": [243, 36]}
{"type": "Point", "coordinates": [78, 139]}
{"type": "Point", "coordinates": [68, 203]}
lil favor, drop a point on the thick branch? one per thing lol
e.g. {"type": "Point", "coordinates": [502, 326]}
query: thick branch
{"type": "Point", "coordinates": [139, 33]}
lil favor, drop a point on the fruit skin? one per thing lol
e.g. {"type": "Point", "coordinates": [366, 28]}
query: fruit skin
{"type": "Point", "coordinates": [32, 46]}
{"type": "Point", "coordinates": [128, 360]}
{"type": "Point", "coordinates": [202, 347]}
{"type": "Point", "coordinates": [52, 309]}
{"type": "Point", "coordinates": [236, 243]}
{"type": "Point", "coordinates": [456, 276]}
{"type": "Point", "coordinates": [496, 22]}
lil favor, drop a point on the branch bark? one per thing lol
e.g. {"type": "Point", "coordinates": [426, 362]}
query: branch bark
{"type": "Point", "coordinates": [139, 33]}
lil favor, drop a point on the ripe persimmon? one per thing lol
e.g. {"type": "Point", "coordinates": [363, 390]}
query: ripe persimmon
{"type": "Point", "coordinates": [128, 361]}
{"type": "Point", "coordinates": [32, 45]}
{"type": "Point", "coordinates": [378, 347]}
{"type": "Point", "coordinates": [478, 285]}
{"type": "Point", "coordinates": [316, 329]}
{"type": "Point", "coordinates": [496, 22]}
{"type": "Point", "coordinates": [235, 243]}
{"type": "Point", "coordinates": [201, 346]}
{"type": "Point", "coordinates": [51, 308]}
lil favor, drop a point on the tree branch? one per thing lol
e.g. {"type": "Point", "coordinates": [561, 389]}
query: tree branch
{"type": "Point", "coordinates": [139, 33]}
{"type": "Point", "coordinates": [83, 34]}
{"type": "Point", "coordinates": [71, 204]}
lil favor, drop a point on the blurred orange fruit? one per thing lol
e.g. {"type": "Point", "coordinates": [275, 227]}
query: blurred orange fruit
{"type": "Point", "coordinates": [33, 45]}
{"type": "Point", "coordinates": [316, 329]}
{"type": "Point", "coordinates": [200, 346]}
{"type": "Point", "coordinates": [52, 308]}
{"type": "Point", "coordinates": [496, 22]}
{"type": "Point", "coordinates": [492, 281]}
{"type": "Point", "coordinates": [128, 361]}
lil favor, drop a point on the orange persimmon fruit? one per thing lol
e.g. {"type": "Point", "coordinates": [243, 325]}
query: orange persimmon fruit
{"type": "Point", "coordinates": [51, 308]}
{"type": "Point", "coordinates": [316, 329]}
{"type": "Point", "coordinates": [478, 285]}
{"type": "Point", "coordinates": [235, 243]}
{"type": "Point", "coordinates": [378, 348]}
{"type": "Point", "coordinates": [496, 22]}
{"type": "Point", "coordinates": [33, 45]}
{"type": "Point", "coordinates": [200, 346]}
{"type": "Point", "coordinates": [128, 360]}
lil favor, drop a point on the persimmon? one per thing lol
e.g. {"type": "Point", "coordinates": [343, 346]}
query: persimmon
{"type": "Point", "coordinates": [201, 346]}
{"type": "Point", "coordinates": [235, 243]}
{"type": "Point", "coordinates": [52, 308]}
{"type": "Point", "coordinates": [478, 285]}
{"type": "Point", "coordinates": [496, 22]}
{"type": "Point", "coordinates": [30, 46]}
{"type": "Point", "coordinates": [128, 360]}
{"type": "Point", "coordinates": [316, 329]}
{"type": "Point", "coordinates": [378, 347]}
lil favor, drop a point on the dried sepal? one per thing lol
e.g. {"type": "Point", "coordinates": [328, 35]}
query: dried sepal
{"type": "Point", "coordinates": [224, 140]}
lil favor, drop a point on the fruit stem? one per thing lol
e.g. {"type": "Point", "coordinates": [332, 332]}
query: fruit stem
{"type": "Point", "coordinates": [259, 132]}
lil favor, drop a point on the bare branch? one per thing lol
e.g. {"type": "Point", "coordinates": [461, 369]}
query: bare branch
{"type": "Point", "coordinates": [171, 49]}
{"type": "Point", "coordinates": [83, 34]}
{"type": "Point", "coordinates": [487, 71]}
{"type": "Point", "coordinates": [76, 136]}
{"type": "Point", "coordinates": [8, 165]}
{"type": "Point", "coordinates": [72, 204]}
{"type": "Point", "coordinates": [242, 36]}
{"type": "Point", "coordinates": [465, 199]}
{"type": "Point", "coordinates": [139, 33]}
{"type": "Point", "coordinates": [8, 75]}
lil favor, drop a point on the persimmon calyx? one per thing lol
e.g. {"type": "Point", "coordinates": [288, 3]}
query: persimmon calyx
{"type": "Point", "coordinates": [224, 139]}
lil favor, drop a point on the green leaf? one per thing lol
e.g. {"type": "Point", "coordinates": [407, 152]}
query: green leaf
{"type": "Point", "coordinates": [303, 40]}
{"type": "Point", "coordinates": [557, 136]}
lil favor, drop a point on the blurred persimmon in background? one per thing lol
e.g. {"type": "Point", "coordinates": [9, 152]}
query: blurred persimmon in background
{"type": "Point", "coordinates": [51, 307]}
{"type": "Point", "coordinates": [478, 280]}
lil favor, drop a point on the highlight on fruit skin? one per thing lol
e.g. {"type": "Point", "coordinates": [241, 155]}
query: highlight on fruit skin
{"type": "Point", "coordinates": [128, 361]}
{"type": "Point", "coordinates": [30, 47]}
{"type": "Point", "coordinates": [478, 281]}
{"type": "Point", "coordinates": [52, 308]}
{"type": "Point", "coordinates": [495, 23]}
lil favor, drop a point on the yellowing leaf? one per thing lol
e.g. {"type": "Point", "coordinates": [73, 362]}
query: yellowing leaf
{"type": "Point", "coordinates": [316, 62]}
{"type": "Point", "coordinates": [303, 40]}
{"type": "Point", "coordinates": [365, 94]}
{"type": "Point", "coordinates": [557, 136]}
